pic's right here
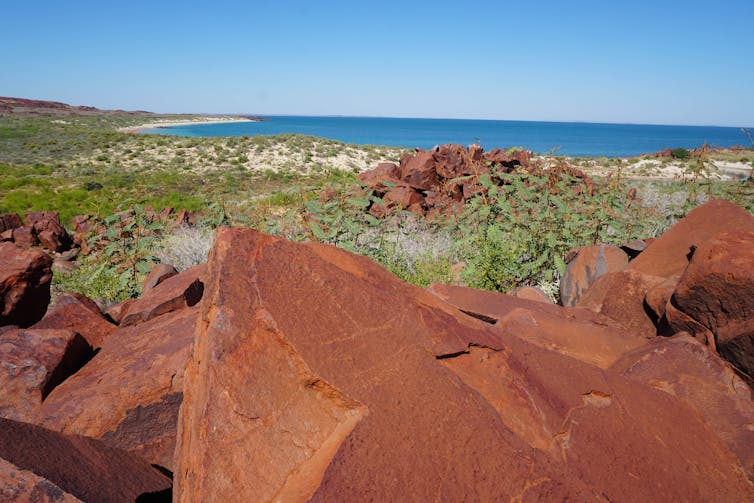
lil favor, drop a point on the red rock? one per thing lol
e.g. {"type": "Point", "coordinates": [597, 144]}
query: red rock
{"type": "Point", "coordinates": [177, 292]}
{"type": "Point", "coordinates": [117, 311]}
{"type": "Point", "coordinates": [25, 277]}
{"type": "Point", "coordinates": [51, 235]}
{"type": "Point", "coordinates": [574, 332]}
{"type": "Point", "coordinates": [589, 264]}
{"type": "Point", "coordinates": [674, 321]}
{"type": "Point", "coordinates": [383, 171]}
{"type": "Point", "coordinates": [634, 248]}
{"type": "Point", "coordinates": [34, 362]}
{"type": "Point", "coordinates": [183, 218]}
{"type": "Point", "coordinates": [620, 297]}
{"type": "Point", "coordinates": [24, 486]}
{"type": "Point", "coordinates": [9, 221]}
{"type": "Point", "coordinates": [657, 298]}
{"type": "Point", "coordinates": [83, 224]}
{"type": "Point", "coordinates": [669, 254]}
{"type": "Point", "coordinates": [717, 291]}
{"type": "Point", "coordinates": [129, 394]}
{"type": "Point", "coordinates": [25, 236]}
{"type": "Point", "coordinates": [688, 370]}
{"type": "Point", "coordinates": [6, 235]}
{"type": "Point", "coordinates": [531, 293]}
{"type": "Point", "coordinates": [402, 196]}
{"type": "Point", "coordinates": [316, 375]}
{"type": "Point", "coordinates": [73, 311]}
{"type": "Point", "coordinates": [418, 170]}
{"type": "Point", "coordinates": [32, 217]}
{"type": "Point", "coordinates": [157, 275]}
{"type": "Point", "coordinates": [80, 466]}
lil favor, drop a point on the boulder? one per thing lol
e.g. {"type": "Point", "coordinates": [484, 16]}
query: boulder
{"type": "Point", "coordinates": [402, 197]}
{"type": "Point", "coordinates": [574, 332]}
{"type": "Point", "coordinates": [9, 221]}
{"type": "Point", "coordinates": [25, 277]}
{"type": "Point", "coordinates": [316, 375]}
{"type": "Point", "coordinates": [619, 296]}
{"type": "Point", "coordinates": [531, 293]}
{"type": "Point", "coordinates": [669, 254]}
{"type": "Point", "coordinates": [717, 291]}
{"type": "Point", "coordinates": [180, 291]}
{"type": "Point", "coordinates": [157, 275]}
{"type": "Point", "coordinates": [589, 264]}
{"type": "Point", "coordinates": [25, 236]}
{"type": "Point", "coordinates": [117, 311]}
{"type": "Point", "coordinates": [73, 311]}
{"type": "Point", "coordinates": [34, 362]}
{"type": "Point", "coordinates": [657, 298]}
{"type": "Point", "coordinates": [129, 394]}
{"type": "Point", "coordinates": [25, 486]}
{"type": "Point", "coordinates": [686, 369]}
{"type": "Point", "coordinates": [385, 171]}
{"type": "Point", "coordinates": [51, 235]}
{"type": "Point", "coordinates": [418, 170]}
{"type": "Point", "coordinates": [81, 467]}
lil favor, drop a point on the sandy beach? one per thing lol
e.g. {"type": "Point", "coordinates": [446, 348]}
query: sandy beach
{"type": "Point", "coordinates": [163, 124]}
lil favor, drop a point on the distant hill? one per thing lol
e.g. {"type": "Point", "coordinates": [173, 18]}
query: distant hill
{"type": "Point", "coordinates": [21, 106]}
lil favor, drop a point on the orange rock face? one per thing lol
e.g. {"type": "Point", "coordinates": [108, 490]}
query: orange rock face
{"type": "Point", "coordinates": [76, 312]}
{"type": "Point", "coordinates": [315, 375]}
{"type": "Point", "coordinates": [82, 467]}
{"type": "Point", "coordinates": [33, 363]}
{"type": "Point", "coordinates": [129, 393]}
{"type": "Point", "coordinates": [179, 291]}
{"type": "Point", "coordinates": [669, 255]}
{"type": "Point", "coordinates": [24, 486]}
{"type": "Point", "coordinates": [717, 291]}
{"type": "Point", "coordinates": [25, 277]}
{"type": "Point", "coordinates": [589, 264]}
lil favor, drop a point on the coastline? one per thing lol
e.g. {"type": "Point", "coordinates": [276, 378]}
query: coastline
{"type": "Point", "coordinates": [164, 124]}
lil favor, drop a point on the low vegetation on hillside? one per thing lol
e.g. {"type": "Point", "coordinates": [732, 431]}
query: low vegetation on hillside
{"type": "Point", "coordinates": [515, 232]}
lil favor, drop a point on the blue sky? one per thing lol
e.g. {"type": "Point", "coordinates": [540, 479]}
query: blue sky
{"type": "Point", "coordinates": [659, 62]}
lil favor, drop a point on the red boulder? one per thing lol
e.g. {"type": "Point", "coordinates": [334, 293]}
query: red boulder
{"type": "Point", "coordinates": [25, 277]}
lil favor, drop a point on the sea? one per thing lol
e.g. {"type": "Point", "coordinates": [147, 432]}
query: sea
{"type": "Point", "coordinates": [576, 139]}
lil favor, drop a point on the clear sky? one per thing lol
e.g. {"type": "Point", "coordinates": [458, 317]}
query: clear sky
{"type": "Point", "coordinates": [659, 62]}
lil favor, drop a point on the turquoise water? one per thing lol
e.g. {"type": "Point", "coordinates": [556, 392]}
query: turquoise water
{"type": "Point", "coordinates": [565, 138]}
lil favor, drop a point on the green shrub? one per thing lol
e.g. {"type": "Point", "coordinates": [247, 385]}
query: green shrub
{"type": "Point", "coordinates": [680, 153]}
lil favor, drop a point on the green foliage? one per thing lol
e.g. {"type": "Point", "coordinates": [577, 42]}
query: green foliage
{"type": "Point", "coordinates": [680, 153]}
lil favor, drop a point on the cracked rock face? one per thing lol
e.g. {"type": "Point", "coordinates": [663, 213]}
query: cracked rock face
{"type": "Point", "coordinates": [129, 394]}
{"type": "Point", "coordinates": [316, 375]}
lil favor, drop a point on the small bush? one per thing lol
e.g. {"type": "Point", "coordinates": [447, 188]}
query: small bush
{"type": "Point", "coordinates": [680, 153]}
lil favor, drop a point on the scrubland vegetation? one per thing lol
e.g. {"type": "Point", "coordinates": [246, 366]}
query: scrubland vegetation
{"type": "Point", "coordinates": [514, 233]}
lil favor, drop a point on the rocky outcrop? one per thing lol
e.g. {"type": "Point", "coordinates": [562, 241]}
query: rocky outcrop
{"type": "Point", "coordinates": [589, 264]}
{"type": "Point", "coordinates": [296, 396]}
{"type": "Point", "coordinates": [25, 277]}
{"type": "Point", "coordinates": [34, 362]}
{"type": "Point", "coordinates": [76, 312]}
{"type": "Point", "coordinates": [177, 292]}
{"type": "Point", "coordinates": [129, 394]}
{"type": "Point", "coordinates": [75, 466]}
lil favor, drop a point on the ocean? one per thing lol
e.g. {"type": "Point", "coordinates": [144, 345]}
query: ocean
{"type": "Point", "coordinates": [579, 139]}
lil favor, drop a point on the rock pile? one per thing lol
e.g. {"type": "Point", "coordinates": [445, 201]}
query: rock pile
{"type": "Point", "coordinates": [295, 372]}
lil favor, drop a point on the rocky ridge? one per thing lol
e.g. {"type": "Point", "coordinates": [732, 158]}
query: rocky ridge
{"type": "Point", "coordinates": [300, 372]}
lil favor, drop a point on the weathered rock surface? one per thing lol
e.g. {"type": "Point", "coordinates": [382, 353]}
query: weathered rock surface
{"type": "Point", "coordinates": [73, 311]}
{"type": "Point", "coordinates": [531, 293]}
{"type": "Point", "coordinates": [717, 291]}
{"type": "Point", "coordinates": [620, 297]}
{"type": "Point", "coordinates": [578, 333]}
{"type": "Point", "coordinates": [157, 275]}
{"type": "Point", "coordinates": [589, 264]}
{"type": "Point", "coordinates": [82, 467]}
{"type": "Point", "coordinates": [33, 363]}
{"type": "Point", "coordinates": [25, 277]}
{"type": "Point", "coordinates": [10, 221]}
{"type": "Point", "coordinates": [24, 486]}
{"type": "Point", "coordinates": [177, 292]}
{"type": "Point", "coordinates": [687, 369]}
{"type": "Point", "coordinates": [669, 254]}
{"type": "Point", "coordinates": [128, 395]}
{"type": "Point", "coordinates": [315, 375]}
